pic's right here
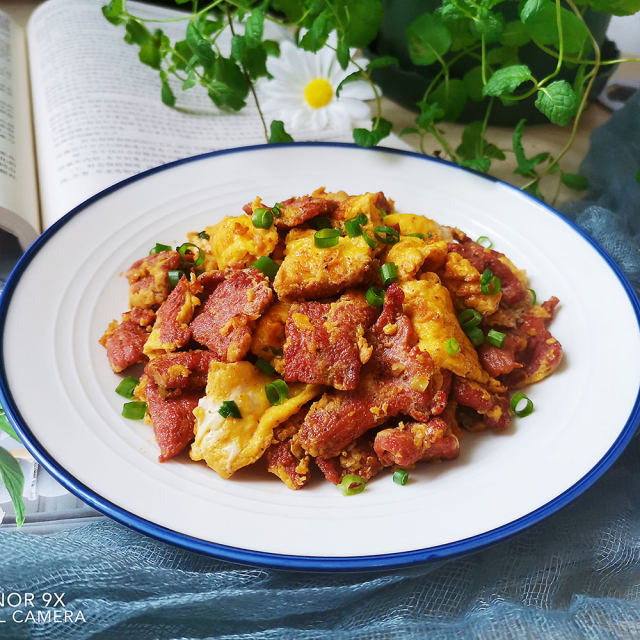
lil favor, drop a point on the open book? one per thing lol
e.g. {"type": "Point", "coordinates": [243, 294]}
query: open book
{"type": "Point", "coordinates": [83, 113]}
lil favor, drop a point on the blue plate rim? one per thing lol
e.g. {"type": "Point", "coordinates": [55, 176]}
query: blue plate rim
{"type": "Point", "coordinates": [293, 562]}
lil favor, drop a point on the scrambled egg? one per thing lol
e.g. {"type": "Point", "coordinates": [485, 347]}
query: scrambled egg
{"type": "Point", "coordinates": [269, 334]}
{"type": "Point", "coordinates": [228, 444]}
{"type": "Point", "coordinates": [413, 223]}
{"type": "Point", "coordinates": [235, 241]}
{"type": "Point", "coordinates": [412, 254]}
{"type": "Point", "coordinates": [428, 303]}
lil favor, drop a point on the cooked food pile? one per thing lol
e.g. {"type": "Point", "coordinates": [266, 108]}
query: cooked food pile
{"type": "Point", "coordinates": [328, 332]}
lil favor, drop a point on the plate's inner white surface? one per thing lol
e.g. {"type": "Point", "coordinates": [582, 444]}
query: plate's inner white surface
{"type": "Point", "coordinates": [62, 384]}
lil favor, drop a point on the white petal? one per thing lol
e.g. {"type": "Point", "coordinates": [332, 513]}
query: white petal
{"type": "Point", "coordinates": [359, 90]}
{"type": "Point", "coordinates": [355, 108]}
{"type": "Point", "coordinates": [339, 118]}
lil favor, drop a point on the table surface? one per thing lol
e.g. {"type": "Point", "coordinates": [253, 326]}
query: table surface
{"type": "Point", "coordinates": [44, 513]}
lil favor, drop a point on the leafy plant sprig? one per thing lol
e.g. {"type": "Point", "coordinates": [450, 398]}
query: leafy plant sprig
{"type": "Point", "coordinates": [10, 472]}
{"type": "Point", "coordinates": [470, 47]}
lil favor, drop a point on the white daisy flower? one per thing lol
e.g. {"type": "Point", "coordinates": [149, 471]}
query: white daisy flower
{"type": "Point", "coordinates": [302, 91]}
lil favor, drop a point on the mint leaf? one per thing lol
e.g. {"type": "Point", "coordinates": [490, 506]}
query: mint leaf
{"type": "Point", "coordinates": [317, 35]}
{"type": "Point", "coordinates": [114, 12]}
{"type": "Point", "coordinates": [472, 81]}
{"type": "Point", "coordinates": [479, 164]}
{"type": "Point", "coordinates": [558, 101]}
{"type": "Point", "coordinates": [5, 426]}
{"type": "Point", "coordinates": [428, 39]}
{"type": "Point", "coordinates": [382, 62]}
{"type": "Point", "coordinates": [429, 113]}
{"type": "Point", "coordinates": [13, 480]}
{"type": "Point", "coordinates": [360, 20]}
{"type": "Point", "coordinates": [542, 27]}
{"type": "Point", "coordinates": [380, 129]}
{"type": "Point", "coordinates": [514, 34]}
{"type": "Point", "coordinates": [526, 166]}
{"type": "Point", "coordinates": [616, 7]}
{"type": "Point", "coordinates": [356, 75]}
{"type": "Point", "coordinates": [575, 181]}
{"type": "Point", "coordinates": [451, 97]}
{"type": "Point", "coordinates": [228, 86]}
{"type": "Point", "coordinates": [166, 94]}
{"type": "Point", "coordinates": [254, 27]}
{"type": "Point", "coordinates": [507, 80]}
{"type": "Point", "coordinates": [531, 8]}
{"type": "Point", "coordinates": [199, 45]}
{"type": "Point", "coordinates": [474, 150]}
{"type": "Point", "coordinates": [489, 24]}
{"type": "Point", "coordinates": [278, 133]}
{"type": "Point", "coordinates": [342, 53]}
{"type": "Point", "coordinates": [503, 56]}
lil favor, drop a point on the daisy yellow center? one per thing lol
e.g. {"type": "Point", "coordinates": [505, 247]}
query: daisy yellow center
{"type": "Point", "coordinates": [318, 93]}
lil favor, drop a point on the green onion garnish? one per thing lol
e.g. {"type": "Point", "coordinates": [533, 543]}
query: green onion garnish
{"type": "Point", "coordinates": [266, 367]}
{"type": "Point", "coordinates": [386, 235]}
{"type": "Point", "coordinates": [516, 400]}
{"type": "Point", "coordinates": [487, 274]}
{"type": "Point", "coordinates": [134, 410]}
{"type": "Point", "coordinates": [203, 235]}
{"type": "Point", "coordinates": [389, 273]}
{"type": "Point", "coordinates": [534, 297]}
{"type": "Point", "coordinates": [354, 225]}
{"type": "Point", "coordinates": [382, 212]}
{"type": "Point", "coordinates": [276, 209]}
{"type": "Point", "coordinates": [187, 249]}
{"type": "Point", "coordinates": [262, 218]}
{"type": "Point", "coordinates": [496, 338]}
{"type": "Point", "coordinates": [375, 296]}
{"type": "Point", "coordinates": [126, 387]}
{"type": "Point", "coordinates": [485, 242]}
{"type": "Point", "coordinates": [370, 241]}
{"type": "Point", "coordinates": [469, 318]}
{"type": "Point", "coordinates": [229, 409]}
{"type": "Point", "coordinates": [321, 222]}
{"type": "Point", "coordinates": [400, 476]}
{"type": "Point", "coordinates": [277, 391]}
{"type": "Point", "coordinates": [416, 235]}
{"type": "Point", "coordinates": [452, 346]}
{"type": "Point", "coordinates": [159, 248]}
{"type": "Point", "coordinates": [267, 265]}
{"type": "Point", "coordinates": [490, 284]}
{"type": "Point", "coordinates": [325, 238]}
{"type": "Point", "coordinates": [475, 335]}
{"type": "Point", "coordinates": [352, 485]}
{"type": "Point", "coordinates": [174, 277]}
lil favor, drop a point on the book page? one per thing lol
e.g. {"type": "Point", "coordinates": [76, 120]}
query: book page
{"type": "Point", "coordinates": [97, 109]}
{"type": "Point", "coordinates": [19, 212]}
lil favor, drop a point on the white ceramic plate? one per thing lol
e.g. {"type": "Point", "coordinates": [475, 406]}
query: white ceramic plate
{"type": "Point", "coordinates": [58, 389]}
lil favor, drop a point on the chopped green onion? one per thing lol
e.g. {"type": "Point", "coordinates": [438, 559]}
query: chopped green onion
{"type": "Point", "coordinates": [277, 391]}
{"type": "Point", "coordinates": [416, 235]}
{"type": "Point", "coordinates": [496, 338]}
{"type": "Point", "coordinates": [534, 297]}
{"type": "Point", "coordinates": [375, 296]}
{"type": "Point", "coordinates": [134, 410]}
{"type": "Point", "coordinates": [469, 318]}
{"type": "Point", "coordinates": [229, 409]}
{"type": "Point", "coordinates": [159, 248]}
{"type": "Point", "coordinates": [370, 241]}
{"type": "Point", "coordinates": [354, 225]}
{"type": "Point", "coordinates": [127, 386]}
{"type": "Point", "coordinates": [389, 273]}
{"type": "Point", "coordinates": [262, 218]}
{"type": "Point", "coordinates": [526, 410]}
{"type": "Point", "coordinates": [382, 212]}
{"type": "Point", "coordinates": [276, 209]}
{"type": "Point", "coordinates": [429, 234]}
{"type": "Point", "coordinates": [187, 249]}
{"type": "Point", "coordinates": [452, 346]}
{"type": "Point", "coordinates": [325, 238]}
{"type": "Point", "coordinates": [203, 235]}
{"type": "Point", "coordinates": [475, 335]}
{"type": "Point", "coordinates": [266, 367]}
{"type": "Point", "coordinates": [274, 350]}
{"type": "Point", "coordinates": [485, 242]}
{"type": "Point", "coordinates": [400, 476]}
{"type": "Point", "coordinates": [487, 274]}
{"type": "Point", "coordinates": [492, 287]}
{"type": "Point", "coordinates": [267, 265]}
{"type": "Point", "coordinates": [321, 222]}
{"type": "Point", "coordinates": [174, 277]}
{"type": "Point", "coordinates": [386, 235]}
{"type": "Point", "coordinates": [351, 485]}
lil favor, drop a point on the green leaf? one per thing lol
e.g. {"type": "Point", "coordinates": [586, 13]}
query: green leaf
{"type": "Point", "coordinates": [408, 131]}
{"type": "Point", "coordinates": [474, 150]}
{"type": "Point", "coordinates": [382, 62]}
{"type": "Point", "coordinates": [293, 9]}
{"type": "Point", "coordinates": [114, 12]}
{"type": "Point", "coordinates": [616, 7]}
{"type": "Point", "coordinates": [181, 54]}
{"type": "Point", "coordinates": [5, 426]}
{"type": "Point", "coordinates": [428, 39]}
{"type": "Point", "coordinates": [200, 46]}
{"type": "Point", "coordinates": [575, 181]}
{"type": "Point", "coordinates": [526, 166]}
{"type": "Point", "coordinates": [429, 113]}
{"type": "Point", "coordinates": [13, 480]}
{"type": "Point", "coordinates": [228, 86]}
{"type": "Point", "coordinates": [503, 56]}
{"type": "Point", "coordinates": [360, 20]}
{"type": "Point", "coordinates": [473, 84]}
{"type": "Point", "coordinates": [167, 95]}
{"type": "Point", "coordinates": [534, 190]}
{"type": "Point", "coordinates": [479, 164]}
{"type": "Point", "coordinates": [317, 35]}
{"type": "Point", "coordinates": [542, 27]}
{"type": "Point", "coordinates": [451, 97]}
{"type": "Point", "coordinates": [342, 53]}
{"type": "Point", "coordinates": [462, 35]}
{"type": "Point", "coordinates": [507, 80]}
{"type": "Point", "coordinates": [254, 27]}
{"type": "Point", "coordinates": [271, 47]}
{"type": "Point", "coordinates": [558, 101]}
{"type": "Point", "coordinates": [531, 8]}
{"type": "Point", "coordinates": [352, 77]}
{"type": "Point", "coordinates": [514, 34]}
{"type": "Point", "coordinates": [380, 129]}
{"type": "Point", "coordinates": [489, 24]}
{"type": "Point", "coordinates": [190, 80]}
{"type": "Point", "coordinates": [278, 133]}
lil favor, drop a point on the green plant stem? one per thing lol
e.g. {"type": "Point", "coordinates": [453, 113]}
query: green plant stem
{"type": "Point", "coordinates": [560, 46]}
{"type": "Point", "coordinates": [365, 74]}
